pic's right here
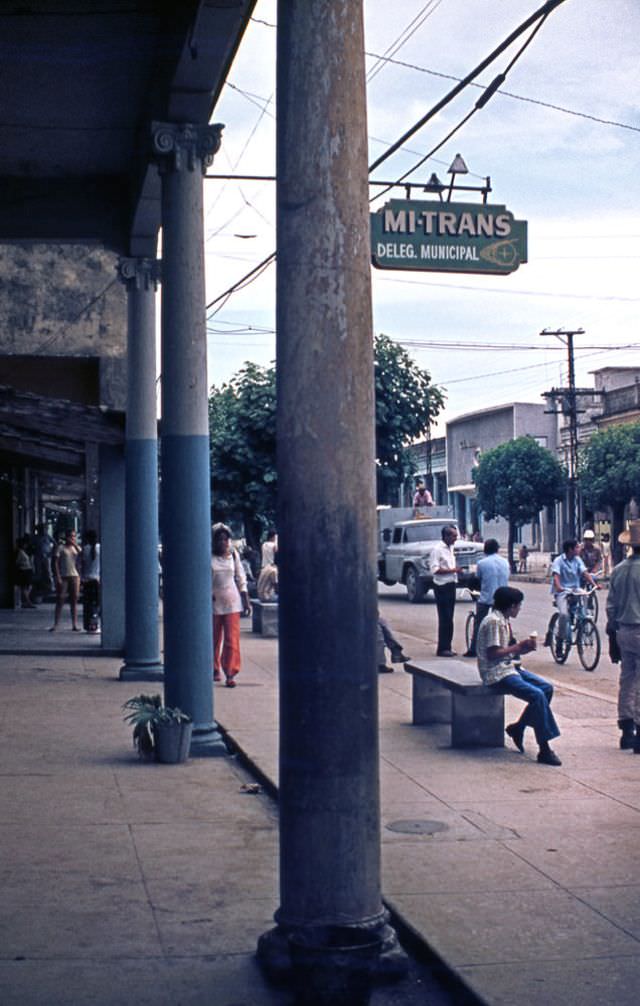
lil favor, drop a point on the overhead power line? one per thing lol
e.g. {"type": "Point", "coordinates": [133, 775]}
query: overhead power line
{"type": "Point", "coordinates": [510, 94]}
{"type": "Point", "coordinates": [541, 13]}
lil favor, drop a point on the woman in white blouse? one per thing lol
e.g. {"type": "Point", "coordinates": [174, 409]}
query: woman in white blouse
{"type": "Point", "coordinates": [230, 598]}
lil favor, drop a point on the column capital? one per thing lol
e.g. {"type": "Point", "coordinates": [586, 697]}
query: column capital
{"type": "Point", "coordinates": [139, 273]}
{"type": "Point", "coordinates": [177, 146]}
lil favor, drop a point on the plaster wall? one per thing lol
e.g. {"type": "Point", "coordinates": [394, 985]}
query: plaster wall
{"type": "Point", "coordinates": [65, 301]}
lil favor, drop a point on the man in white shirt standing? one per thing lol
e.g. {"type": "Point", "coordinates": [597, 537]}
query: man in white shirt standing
{"type": "Point", "coordinates": [445, 578]}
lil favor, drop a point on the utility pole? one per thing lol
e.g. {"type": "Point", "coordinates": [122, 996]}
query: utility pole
{"type": "Point", "coordinates": [568, 399]}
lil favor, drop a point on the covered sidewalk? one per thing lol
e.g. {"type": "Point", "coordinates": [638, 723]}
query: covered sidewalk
{"type": "Point", "coordinates": [126, 881]}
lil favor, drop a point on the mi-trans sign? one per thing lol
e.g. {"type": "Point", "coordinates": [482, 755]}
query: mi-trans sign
{"type": "Point", "coordinates": [447, 237]}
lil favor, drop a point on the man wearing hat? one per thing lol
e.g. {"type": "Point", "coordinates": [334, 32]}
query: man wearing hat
{"type": "Point", "coordinates": [623, 616]}
{"type": "Point", "coordinates": [591, 554]}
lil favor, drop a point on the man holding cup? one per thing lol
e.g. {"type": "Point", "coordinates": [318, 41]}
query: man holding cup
{"type": "Point", "coordinates": [500, 669]}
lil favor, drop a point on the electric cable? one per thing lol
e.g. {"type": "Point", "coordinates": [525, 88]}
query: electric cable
{"type": "Point", "coordinates": [488, 93]}
{"type": "Point", "coordinates": [398, 42]}
{"type": "Point", "coordinates": [542, 12]}
{"type": "Point", "coordinates": [510, 94]}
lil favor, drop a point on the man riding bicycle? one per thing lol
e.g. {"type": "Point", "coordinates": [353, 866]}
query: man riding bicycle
{"type": "Point", "coordinates": [568, 572]}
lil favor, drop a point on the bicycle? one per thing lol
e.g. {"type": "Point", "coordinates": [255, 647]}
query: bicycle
{"type": "Point", "coordinates": [470, 623]}
{"type": "Point", "coordinates": [583, 632]}
{"type": "Point", "coordinates": [593, 607]}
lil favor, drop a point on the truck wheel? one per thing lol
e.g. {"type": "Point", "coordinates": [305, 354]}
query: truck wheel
{"type": "Point", "coordinates": [415, 590]}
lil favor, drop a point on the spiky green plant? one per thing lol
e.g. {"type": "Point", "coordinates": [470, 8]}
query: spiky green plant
{"type": "Point", "coordinates": [143, 712]}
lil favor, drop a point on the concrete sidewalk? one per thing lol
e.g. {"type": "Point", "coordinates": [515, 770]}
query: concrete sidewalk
{"type": "Point", "coordinates": [125, 881]}
{"type": "Point", "coordinates": [524, 879]}
{"type": "Point", "coordinates": [122, 881]}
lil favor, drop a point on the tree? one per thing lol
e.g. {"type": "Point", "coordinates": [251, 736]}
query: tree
{"type": "Point", "coordinates": [515, 481]}
{"type": "Point", "coordinates": [406, 405]}
{"type": "Point", "coordinates": [609, 471]}
{"type": "Point", "coordinates": [242, 427]}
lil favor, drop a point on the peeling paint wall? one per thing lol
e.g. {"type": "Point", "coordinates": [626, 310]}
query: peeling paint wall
{"type": "Point", "coordinates": [65, 300]}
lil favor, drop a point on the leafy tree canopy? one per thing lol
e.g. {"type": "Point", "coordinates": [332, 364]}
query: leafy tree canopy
{"type": "Point", "coordinates": [406, 405]}
{"type": "Point", "coordinates": [609, 472]}
{"type": "Point", "coordinates": [517, 479]}
{"type": "Point", "coordinates": [609, 467]}
{"type": "Point", "coordinates": [242, 424]}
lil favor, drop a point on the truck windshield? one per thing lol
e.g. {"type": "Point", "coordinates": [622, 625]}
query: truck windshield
{"type": "Point", "coordinates": [425, 532]}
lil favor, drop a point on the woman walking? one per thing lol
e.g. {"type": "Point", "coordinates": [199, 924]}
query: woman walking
{"type": "Point", "coordinates": [67, 579]}
{"type": "Point", "coordinates": [230, 598]}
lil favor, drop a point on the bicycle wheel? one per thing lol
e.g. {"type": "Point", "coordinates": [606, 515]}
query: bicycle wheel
{"type": "Point", "coordinates": [592, 606]}
{"type": "Point", "coordinates": [469, 627]}
{"type": "Point", "coordinates": [560, 645]}
{"type": "Point", "coordinates": [588, 643]}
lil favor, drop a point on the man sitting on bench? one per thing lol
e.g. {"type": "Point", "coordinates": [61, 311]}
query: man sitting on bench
{"type": "Point", "coordinates": [496, 651]}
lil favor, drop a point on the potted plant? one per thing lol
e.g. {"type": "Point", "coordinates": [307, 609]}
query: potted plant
{"type": "Point", "coordinates": [159, 731]}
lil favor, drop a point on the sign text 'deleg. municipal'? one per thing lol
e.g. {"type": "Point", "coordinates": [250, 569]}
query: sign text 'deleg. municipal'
{"type": "Point", "coordinates": [460, 237]}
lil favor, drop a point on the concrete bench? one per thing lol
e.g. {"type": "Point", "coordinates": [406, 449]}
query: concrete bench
{"type": "Point", "coordinates": [264, 618]}
{"type": "Point", "coordinates": [451, 691]}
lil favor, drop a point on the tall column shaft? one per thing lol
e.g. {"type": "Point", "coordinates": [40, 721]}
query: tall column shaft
{"type": "Point", "coordinates": [112, 530]}
{"type": "Point", "coordinates": [329, 790]}
{"type": "Point", "coordinates": [142, 643]}
{"type": "Point", "coordinates": [182, 153]}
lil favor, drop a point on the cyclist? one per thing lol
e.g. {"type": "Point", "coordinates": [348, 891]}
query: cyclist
{"type": "Point", "coordinates": [567, 573]}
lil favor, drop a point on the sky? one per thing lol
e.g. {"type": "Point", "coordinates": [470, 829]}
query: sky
{"type": "Point", "coordinates": [562, 151]}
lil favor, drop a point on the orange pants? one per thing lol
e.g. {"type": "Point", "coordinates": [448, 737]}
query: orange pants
{"type": "Point", "coordinates": [226, 644]}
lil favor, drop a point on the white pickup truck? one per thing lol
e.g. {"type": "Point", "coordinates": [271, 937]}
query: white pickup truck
{"type": "Point", "coordinates": [406, 545]}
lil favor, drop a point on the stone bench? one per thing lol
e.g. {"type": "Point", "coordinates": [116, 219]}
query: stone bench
{"type": "Point", "coordinates": [264, 618]}
{"type": "Point", "coordinates": [451, 691]}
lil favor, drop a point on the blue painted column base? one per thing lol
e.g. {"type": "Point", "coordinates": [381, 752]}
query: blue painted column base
{"type": "Point", "coordinates": [137, 671]}
{"type": "Point", "coordinates": [207, 742]}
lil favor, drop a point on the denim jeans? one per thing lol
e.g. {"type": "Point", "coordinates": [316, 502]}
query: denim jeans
{"type": "Point", "coordinates": [537, 693]}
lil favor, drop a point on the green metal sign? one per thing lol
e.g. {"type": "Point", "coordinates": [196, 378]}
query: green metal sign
{"type": "Point", "coordinates": [447, 237]}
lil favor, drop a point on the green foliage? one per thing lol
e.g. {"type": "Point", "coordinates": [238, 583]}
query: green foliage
{"type": "Point", "coordinates": [242, 425]}
{"type": "Point", "coordinates": [517, 479]}
{"type": "Point", "coordinates": [609, 467]}
{"type": "Point", "coordinates": [406, 405]}
{"type": "Point", "coordinates": [146, 711]}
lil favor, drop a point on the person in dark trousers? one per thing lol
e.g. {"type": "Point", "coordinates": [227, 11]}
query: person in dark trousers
{"type": "Point", "coordinates": [500, 669]}
{"type": "Point", "coordinates": [445, 578]}
{"type": "Point", "coordinates": [623, 618]}
{"type": "Point", "coordinates": [386, 639]}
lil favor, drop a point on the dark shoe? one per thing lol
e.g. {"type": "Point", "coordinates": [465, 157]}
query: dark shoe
{"type": "Point", "coordinates": [516, 733]}
{"type": "Point", "coordinates": [636, 742]}
{"type": "Point", "coordinates": [230, 683]}
{"type": "Point", "coordinates": [628, 734]}
{"type": "Point", "coordinates": [547, 639]}
{"type": "Point", "coordinates": [384, 669]}
{"type": "Point", "coordinates": [628, 737]}
{"type": "Point", "coordinates": [548, 757]}
{"type": "Point", "coordinates": [398, 657]}
{"type": "Point", "coordinates": [469, 653]}
{"type": "Point", "coordinates": [447, 653]}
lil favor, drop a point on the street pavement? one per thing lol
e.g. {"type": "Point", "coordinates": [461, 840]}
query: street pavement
{"type": "Point", "coordinates": [125, 881]}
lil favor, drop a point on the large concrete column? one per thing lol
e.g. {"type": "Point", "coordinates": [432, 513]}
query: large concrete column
{"type": "Point", "coordinates": [183, 152]}
{"type": "Point", "coordinates": [112, 547]}
{"type": "Point", "coordinates": [142, 643]}
{"type": "Point", "coordinates": [329, 787]}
